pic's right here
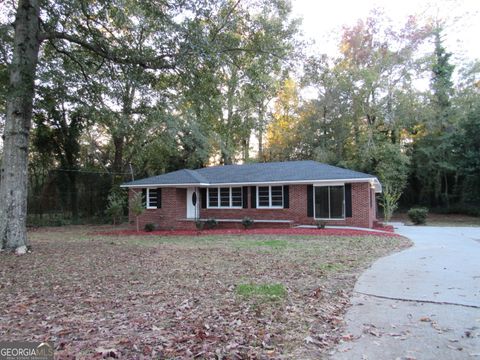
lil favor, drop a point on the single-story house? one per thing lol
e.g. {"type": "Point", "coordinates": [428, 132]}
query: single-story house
{"type": "Point", "coordinates": [272, 194]}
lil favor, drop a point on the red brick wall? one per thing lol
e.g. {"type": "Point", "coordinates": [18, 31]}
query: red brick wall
{"type": "Point", "coordinates": [173, 212]}
{"type": "Point", "coordinates": [174, 208]}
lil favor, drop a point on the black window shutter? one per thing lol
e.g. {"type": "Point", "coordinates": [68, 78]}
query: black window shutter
{"type": "Point", "coordinates": [253, 197]}
{"type": "Point", "coordinates": [310, 200]}
{"type": "Point", "coordinates": [144, 197]}
{"type": "Point", "coordinates": [348, 200]}
{"type": "Point", "coordinates": [286, 197]}
{"type": "Point", "coordinates": [159, 198]}
{"type": "Point", "coordinates": [245, 197]}
{"type": "Point", "coordinates": [203, 197]}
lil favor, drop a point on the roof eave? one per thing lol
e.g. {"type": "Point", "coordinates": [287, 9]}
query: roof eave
{"type": "Point", "coordinates": [372, 180]}
{"type": "Point", "coordinates": [162, 185]}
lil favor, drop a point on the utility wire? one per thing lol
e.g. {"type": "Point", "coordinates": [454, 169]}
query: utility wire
{"type": "Point", "coordinates": [92, 172]}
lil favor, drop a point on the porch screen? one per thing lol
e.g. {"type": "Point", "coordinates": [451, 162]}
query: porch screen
{"type": "Point", "coordinates": [329, 202]}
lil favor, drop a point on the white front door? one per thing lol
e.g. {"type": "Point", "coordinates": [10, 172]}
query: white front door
{"type": "Point", "coordinates": [192, 203]}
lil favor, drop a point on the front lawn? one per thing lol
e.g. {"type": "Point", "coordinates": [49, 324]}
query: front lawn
{"type": "Point", "coordinates": [224, 296]}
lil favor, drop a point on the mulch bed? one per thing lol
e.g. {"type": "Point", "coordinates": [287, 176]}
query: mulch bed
{"type": "Point", "coordinates": [293, 231]}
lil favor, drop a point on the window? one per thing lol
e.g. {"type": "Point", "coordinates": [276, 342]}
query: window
{"type": "Point", "coordinates": [237, 200]}
{"type": "Point", "coordinates": [270, 196]}
{"type": "Point", "coordinates": [225, 197]}
{"type": "Point", "coordinates": [153, 198]}
{"type": "Point", "coordinates": [213, 197]}
{"type": "Point", "coordinates": [330, 202]}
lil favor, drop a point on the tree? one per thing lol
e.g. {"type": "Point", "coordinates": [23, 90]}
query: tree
{"type": "Point", "coordinates": [281, 140]}
{"type": "Point", "coordinates": [13, 176]}
{"type": "Point", "coordinates": [137, 207]}
{"type": "Point", "coordinates": [435, 166]}
{"type": "Point", "coordinates": [116, 203]}
{"type": "Point", "coordinates": [96, 27]}
{"type": "Point", "coordinates": [392, 170]}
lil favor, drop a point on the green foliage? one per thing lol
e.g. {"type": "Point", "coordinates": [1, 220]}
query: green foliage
{"type": "Point", "coordinates": [321, 224]}
{"type": "Point", "coordinates": [389, 201]}
{"type": "Point", "coordinates": [247, 222]}
{"type": "Point", "coordinates": [137, 207]}
{"type": "Point", "coordinates": [115, 206]}
{"type": "Point", "coordinates": [211, 223]}
{"type": "Point", "coordinates": [199, 224]}
{"type": "Point", "coordinates": [332, 267]}
{"type": "Point", "coordinates": [418, 215]}
{"type": "Point", "coordinates": [267, 291]}
{"type": "Point", "coordinates": [149, 227]}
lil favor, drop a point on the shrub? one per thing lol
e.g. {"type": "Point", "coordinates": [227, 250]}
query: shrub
{"type": "Point", "coordinates": [149, 227]}
{"type": "Point", "coordinates": [116, 202]}
{"type": "Point", "coordinates": [199, 224]}
{"type": "Point", "coordinates": [211, 223]}
{"type": "Point", "coordinates": [247, 222]}
{"type": "Point", "coordinates": [321, 224]}
{"type": "Point", "coordinates": [418, 215]}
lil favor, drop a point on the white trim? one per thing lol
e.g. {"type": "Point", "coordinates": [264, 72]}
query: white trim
{"type": "Point", "coordinates": [372, 180]}
{"type": "Point", "coordinates": [329, 209]}
{"type": "Point", "coordinates": [218, 197]}
{"type": "Point", "coordinates": [147, 200]}
{"type": "Point", "coordinates": [330, 183]}
{"type": "Point", "coordinates": [269, 198]}
{"type": "Point", "coordinates": [143, 186]}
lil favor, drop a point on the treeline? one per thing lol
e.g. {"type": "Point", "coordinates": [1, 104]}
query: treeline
{"type": "Point", "coordinates": [371, 114]}
{"type": "Point", "coordinates": [197, 83]}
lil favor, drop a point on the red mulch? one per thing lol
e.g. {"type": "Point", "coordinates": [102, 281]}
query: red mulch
{"type": "Point", "coordinates": [293, 231]}
{"type": "Point", "coordinates": [382, 227]}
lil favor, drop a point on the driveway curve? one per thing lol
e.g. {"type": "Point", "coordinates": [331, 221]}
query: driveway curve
{"type": "Point", "coordinates": [421, 303]}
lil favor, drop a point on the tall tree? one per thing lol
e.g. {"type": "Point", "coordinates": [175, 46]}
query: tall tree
{"type": "Point", "coordinates": [14, 171]}
{"type": "Point", "coordinates": [434, 164]}
{"type": "Point", "coordinates": [96, 27]}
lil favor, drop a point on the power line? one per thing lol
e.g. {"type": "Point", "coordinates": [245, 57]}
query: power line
{"type": "Point", "coordinates": [92, 172]}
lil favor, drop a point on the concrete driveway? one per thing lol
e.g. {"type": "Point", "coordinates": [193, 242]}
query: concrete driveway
{"type": "Point", "coordinates": [421, 303]}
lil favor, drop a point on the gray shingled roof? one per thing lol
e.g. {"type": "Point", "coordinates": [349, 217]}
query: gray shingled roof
{"type": "Point", "coordinates": [289, 171]}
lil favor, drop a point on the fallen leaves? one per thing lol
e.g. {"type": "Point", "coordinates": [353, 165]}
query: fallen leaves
{"type": "Point", "coordinates": [152, 297]}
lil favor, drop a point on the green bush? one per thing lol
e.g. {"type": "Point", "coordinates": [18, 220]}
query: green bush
{"type": "Point", "coordinates": [116, 203]}
{"type": "Point", "coordinates": [418, 215]}
{"type": "Point", "coordinates": [247, 222]}
{"type": "Point", "coordinates": [211, 223]}
{"type": "Point", "coordinates": [199, 224]}
{"type": "Point", "coordinates": [149, 227]}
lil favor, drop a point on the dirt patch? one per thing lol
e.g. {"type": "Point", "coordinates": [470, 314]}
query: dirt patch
{"type": "Point", "coordinates": [179, 297]}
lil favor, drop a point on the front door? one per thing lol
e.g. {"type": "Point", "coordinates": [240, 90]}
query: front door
{"type": "Point", "coordinates": [192, 203]}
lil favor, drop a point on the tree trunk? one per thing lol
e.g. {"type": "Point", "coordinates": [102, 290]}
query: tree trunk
{"type": "Point", "coordinates": [14, 171]}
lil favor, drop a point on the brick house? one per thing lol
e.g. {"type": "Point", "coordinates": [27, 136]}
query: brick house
{"type": "Point", "coordinates": [272, 194]}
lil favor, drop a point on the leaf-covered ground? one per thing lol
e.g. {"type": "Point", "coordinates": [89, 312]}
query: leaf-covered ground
{"type": "Point", "coordinates": [147, 297]}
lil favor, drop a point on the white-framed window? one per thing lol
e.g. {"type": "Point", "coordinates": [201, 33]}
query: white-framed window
{"type": "Point", "coordinates": [225, 197]}
{"type": "Point", "coordinates": [270, 197]}
{"type": "Point", "coordinates": [329, 202]}
{"type": "Point", "coordinates": [152, 200]}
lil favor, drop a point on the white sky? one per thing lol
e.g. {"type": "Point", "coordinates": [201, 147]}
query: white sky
{"type": "Point", "coordinates": [322, 20]}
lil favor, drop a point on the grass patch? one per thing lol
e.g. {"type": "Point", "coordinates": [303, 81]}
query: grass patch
{"type": "Point", "coordinates": [270, 291]}
{"type": "Point", "coordinates": [268, 243]}
{"type": "Point", "coordinates": [334, 267]}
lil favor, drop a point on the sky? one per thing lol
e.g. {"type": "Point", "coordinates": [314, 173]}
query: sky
{"type": "Point", "coordinates": [323, 19]}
